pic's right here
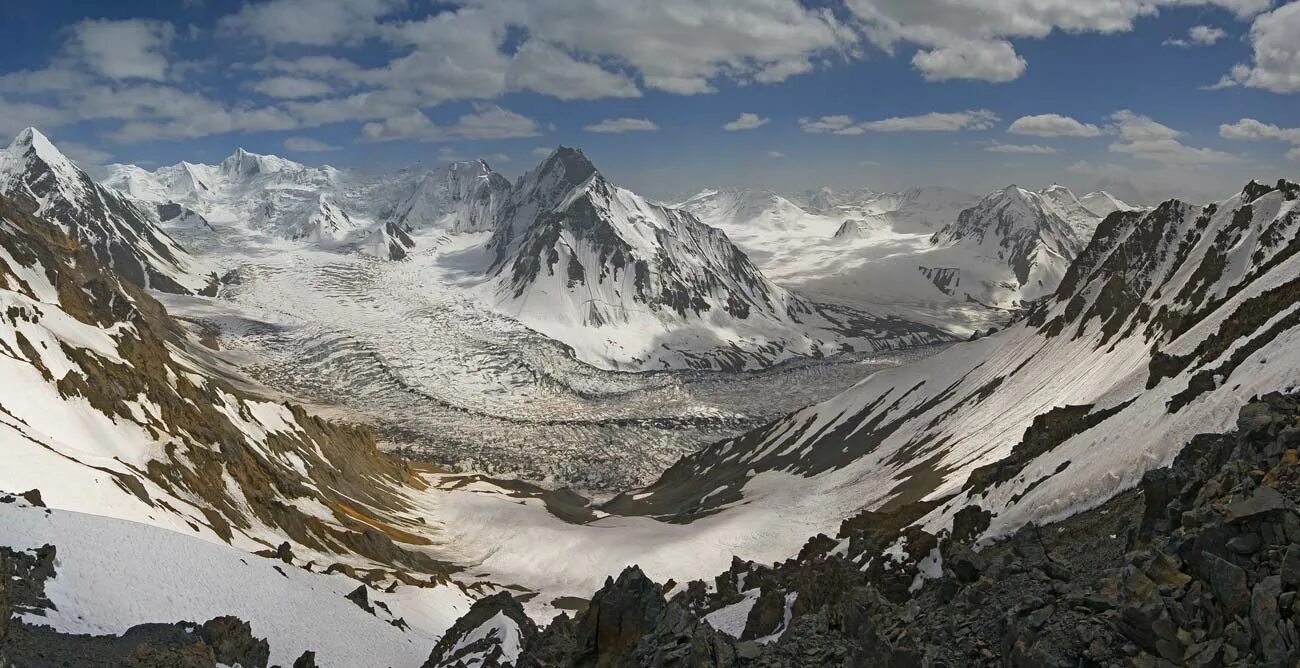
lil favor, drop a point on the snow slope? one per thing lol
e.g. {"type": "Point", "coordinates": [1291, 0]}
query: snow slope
{"type": "Point", "coordinates": [1164, 326]}
{"type": "Point", "coordinates": [109, 407]}
{"type": "Point", "coordinates": [112, 575]}
{"type": "Point", "coordinates": [120, 232]}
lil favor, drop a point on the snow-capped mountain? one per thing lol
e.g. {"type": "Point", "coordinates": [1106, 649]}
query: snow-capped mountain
{"type": "Point", "coordinates": [912, 210]}
{"type": "Point", "coordinates": [114, 412]}
{"type": "Point", "coordinates": [1163, 327]}
{"type": "Point", "coordinates": [118, 230]}
{"type": "Point", "coordinates": [460, 197]}
{"type": "Point", "coordinates": [1019, 229]}
{"type": "Point", "coordinates": [265, 193]}
{"type": "Point", "coordinates": [736, 210]}
{"type": "Point", "coordinates": [324, 206]}
{"type": "Point", "coordinates": [1102, 203]}
{"type": "Point", "coordinates": [630, 283]}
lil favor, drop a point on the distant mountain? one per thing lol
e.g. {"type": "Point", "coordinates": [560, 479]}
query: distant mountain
{"type": "Point", "coordinates": [460, 197]}
{"type": "Point", "coordinates": [1022, 230]}
{"type": "Point", "coordinates": [913, 210]}
{"type": "Point", "coordinates": [739, 209]}
{"type": "Point", "coordinates": [120, 231]}
{"type": "Point", "coordinates": [636, 284]}
{"type": "Point", "coordinates": [1163, 326]}
{"type": "Point", "coordinates": [333, 208]}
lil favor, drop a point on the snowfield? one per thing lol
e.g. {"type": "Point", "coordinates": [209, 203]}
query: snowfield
{"type": "Point", "coordinates": [112, 575]}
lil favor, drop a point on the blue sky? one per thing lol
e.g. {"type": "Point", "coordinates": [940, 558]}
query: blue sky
{"type": "Point", "coordinates": [1150, 98]}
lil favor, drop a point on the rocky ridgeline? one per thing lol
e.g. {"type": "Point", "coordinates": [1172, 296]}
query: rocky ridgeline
{"type": "Point", "coordinates": [1199, 566]}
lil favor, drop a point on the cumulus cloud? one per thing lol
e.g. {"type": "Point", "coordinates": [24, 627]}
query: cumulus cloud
{"type": "Point", "coordinates": [1275, 41]}
{"type": "Point", "coordinates": [1198, 36]}
{"type": "Point", "coordinates": [993, 61]}
{"type": "Point", "coordinates": [1293, 154]}
{"type": "Point", "coordinates": [1144, 138]}
{"type": "Point", "coordinates": [291, 87]}
{"type": "Point", "coordinates": [746, 121]}
{"type": "Point", "coordinates": [686, 46]}
{"type": "Point", "coordinates": [487, 122]}
{"type": "Point", "coordinates": [621, 125]}
{"type": "Point", "coordinates": [309, 22]}
{"type": "Point", "coordinates": [972, 39]}
{"type": "Point", "coordinates": [976, 119]}
{"type": "Point", "coordinates": [1249, 129]}
{"type": "Point", "coordinates": [546, 69]}
{"type": "Point", "coordinates": [129, 49]}
{"type": "Point", "coordinates": [1033, 149]}
{"type": "Point", "coordinates": [1052, 125]}
{"type": "Point", "coordinates": [307, 145]}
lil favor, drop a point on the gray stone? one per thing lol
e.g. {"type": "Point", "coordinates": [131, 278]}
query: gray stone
{"type": "Point", "coordinates": [1291, 566]}
{"type": "Point", "coordinates": [1261, 501]}
{"type": "Point", "coordinates": [1228, 583]}
{"type": "Point", "coordinates": [1248, 543]}
{"type": "Point", "coordinates": [1265, 618]}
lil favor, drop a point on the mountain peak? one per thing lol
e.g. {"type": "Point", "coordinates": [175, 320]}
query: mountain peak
{"type": "Point", "coordinates": [573, 163]}
{"type": "Point", "coordinates": [247, 163]}
{"type": "Point", "coordinates": [32, 141]}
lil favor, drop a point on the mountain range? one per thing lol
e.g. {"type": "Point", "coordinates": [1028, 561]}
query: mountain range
{"type": "Point", "coordinates": [1110, 477]}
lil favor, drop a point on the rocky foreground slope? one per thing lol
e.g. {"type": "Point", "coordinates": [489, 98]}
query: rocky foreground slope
{"type": "Point", "coordinates": [1198, 566]}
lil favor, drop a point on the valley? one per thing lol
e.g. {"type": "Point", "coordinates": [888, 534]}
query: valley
{"type": "Point", "coordinates": [404, 347]}
{"type": "Point", "coordinates": [502, 394]}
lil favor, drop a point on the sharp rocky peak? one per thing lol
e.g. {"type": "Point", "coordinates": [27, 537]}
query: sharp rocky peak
{"type": "Point", "coordinates": [31, 143]}
{"type": "Point", "coordinates": [570, 163]}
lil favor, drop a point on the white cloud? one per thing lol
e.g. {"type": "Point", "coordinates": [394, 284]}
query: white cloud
{"type": "Point", "coordinates": [292, 87]}
{"type": "Point", "coordinates": [1293, 154]}
{"type": "Point", "coordinates": [129, 49]}
{"type": "Point", "coordinates": [775, 154]}
{"type": "Point", "coordinates": [1052, 125]}
{"type": "Point", "coordinates": [1019, 148]}
{"type": "Point", "coordinates": [993, 61]}
{"type": "Point", "coordinates": [309, 22]}
{"type": "Point", "coordinates": [978, 119]}
{"type": "Point", "coordinates": [621, 125]}
{"type": "Point", "coordinates": [1146, 139]}
{"type": "Point", "coordinates": [307, 145]}
{"type": "Point", "coordinates": [1249, 129]}
{"type": "Point", "coordinates": [1275, 38]}
{"type": "Point", "coordinates": [546, 69]}
{"type": "Point", "coordinates": [837, 124]}
{"type": "Point", "coordinates": [543, 151]}
{"type": "Point", "coordinates": [746, 121]}
{"type": "Point", "coordinates": [85, 156]}
{"type": "Point", "coordinates": [686, 46]}
{"type": "Point", "coordinates": [975, 119]}
{"type": "Point", "coordinates": [1198, 36]}
{"type": "Point", "coordinates": [972, 38]}
{"type": "Point", "coordinates": [487, 122]}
